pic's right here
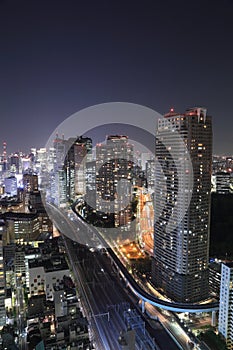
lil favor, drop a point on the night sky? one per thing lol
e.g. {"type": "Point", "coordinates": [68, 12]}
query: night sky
{"type": "Point", "coordinates": [58, 57]}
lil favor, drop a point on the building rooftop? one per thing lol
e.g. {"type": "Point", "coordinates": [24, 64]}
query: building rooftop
{"type": "Point", "coordinates": [17, 216]}
{"type": "Point", "coordinates": [49, 264]}
{"type": "Point", "coordinates": [229, 264]}
{"type": "Point", "coordinates": [215, 267]}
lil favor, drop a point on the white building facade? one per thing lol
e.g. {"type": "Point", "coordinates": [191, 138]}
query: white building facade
{"type": "Point", "coordinates": [225, 324]}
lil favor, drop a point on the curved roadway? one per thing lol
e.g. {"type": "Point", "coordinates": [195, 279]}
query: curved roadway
{"type": "Point", "coordinates": [86, 229]}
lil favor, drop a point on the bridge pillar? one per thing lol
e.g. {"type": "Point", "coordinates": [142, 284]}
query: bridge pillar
{"type": "Point", "coordinates": [143, 306]}
{"type": "Point", "coordinates": [213, 321]}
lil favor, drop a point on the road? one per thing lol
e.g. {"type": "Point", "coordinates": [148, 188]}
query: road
{"type": "Point", "coordinates": [107, 299]}
{"type": "Point", "coordinates": [145, 222]}
{"type": "Point", "coordinates": [171, 325]}
{"type": "Point", "coordinates": [85, 302]}
{"type": "Point", "coordinates": [78, 230]}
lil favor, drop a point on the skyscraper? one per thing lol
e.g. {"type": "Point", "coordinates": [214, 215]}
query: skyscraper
{"type": "Point", "coordinates": [225, 322]}
{"type": "Point", "coordinates": [11, 186]}
{"type": "Point", "coordinates": [30, 182]}
{"type": "Point", "coordinates": [75, 164]}
{"type": "Point", "coordinates": [114, 164]}
{"type": "Point", "coordinates": [182, 204]}
{"type": "Point", "coordinates": [82, 154]}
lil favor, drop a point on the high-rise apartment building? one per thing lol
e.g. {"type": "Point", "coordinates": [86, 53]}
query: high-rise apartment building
{"type": "Point", "coordinates": [225, 321]}
{"type": "Point", "coordinates": [182, 204]}
{"type": "Point", "coordinates": [114, 164]}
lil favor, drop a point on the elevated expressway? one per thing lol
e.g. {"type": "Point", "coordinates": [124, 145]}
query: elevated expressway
{"type": "Point", "coordinates": [83, 233]}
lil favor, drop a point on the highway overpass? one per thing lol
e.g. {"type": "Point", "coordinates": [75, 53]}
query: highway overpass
{"type": "Point", "coordinates": [80, 229]}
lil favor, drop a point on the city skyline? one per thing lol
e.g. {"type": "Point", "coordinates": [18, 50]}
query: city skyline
{"type": "Point", "coordinates": [60, 57]}
{"type": "Point", "coordinates": [84, 217]}
{"type": "Point", "coordinates": [116, 174]}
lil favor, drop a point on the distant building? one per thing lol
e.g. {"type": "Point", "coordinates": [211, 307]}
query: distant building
{"type": "Point", "coordinates": [21, 227]}
{"type": "Point", "coordinates": [20, 263]}
{"type": "Point", "coordinates": [11, 186]}
{"type": "Point", "coordinates": [150, 175]}
{"type": "Point", "coordinates": [91, 183]}
{"type": "Point", "coordinates": [75, 165]}
{"type": "Point", "coordinates": [215, 279]}
{"type": "Point", "coordinates": [225, 322]}
{"type": "Point", "coordinates": [82, 154]}
{"type": "Point", "coordinates": [60, 188]}
{"type": "Point", "coordinates": [223, 182]}
{"type": "Point", "coordinates": [114, 166]}
{"type": "Point", "coordinates": [25, 164]}
{"type": "Point", "coordinates": [30, 182]}
{"type": "Point", "coordinates": [36, 205]}
{"type": "Point", "coordinates": [35, 201]}
{"type": "Point", "coordinates": [41, 159]}
{"type": "Point", "coordinates": [60, 148]}
{"type": "Point", "coordinates": [14, 163]}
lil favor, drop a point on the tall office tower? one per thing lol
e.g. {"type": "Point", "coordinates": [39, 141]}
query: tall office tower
{"type": "Point", "coordinates": [14, 163]}
{"type": "Point", "coordinates": [41, 158]}
{"type": "Point", "coordinates": [30, 182]}
{"type": "Point", "coordinates": [11, 186]}
{"type": "Point", "coordinates": [56, 189]}
{"type": "Point", "coordinates": [91, 183]}
{"type": "Point", "coordinates": [150, 175]}
{"type": "Point", "coordinates": [4, 155]}
{"type": "Point", "coordinates": [59, 146]}
{"type": "Point", "coordinates": [75, 164]}
{"type": "Point", "coordinates": [182, 204]}
{"type": "Point", "coordinates": [114, 164]}
{"type": "Point", "coordinates": [69, 168]}
{"type": "Point", "coordinates": [26, 164]}
{"type": "Point", "coordinates": [82, 154]}
{"type": "Point", "coordinates": [51, 158]}
{"type": "Point", "coordinates": [41, 166]}
{"type": "Point", "coordinates": [60, 194]}
{"type": "Point", "coordinates": [225, 321]}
